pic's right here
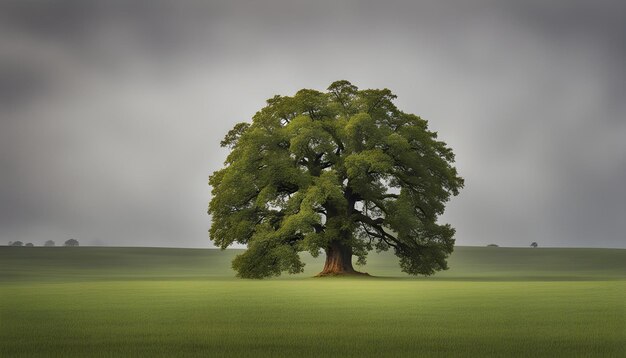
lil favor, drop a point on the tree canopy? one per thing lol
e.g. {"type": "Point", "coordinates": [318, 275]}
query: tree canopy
{"type": "Point", "coordinates": [71, 242]}
{"type": "Point", "coordinates": [343, 171]}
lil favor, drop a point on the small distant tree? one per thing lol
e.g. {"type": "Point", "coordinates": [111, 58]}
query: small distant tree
{"type": "Point", "coordinates": [30, 244]}
{"type": "Point", "coordinates": [71, 242]}
{"type": "Point", "coordinates": [16, 243]}
{"type": "Point", "coordinates": [49, 243]}
{"type": "Point", "coordinates": [492, 245]}
{"type": "Point", "coordinates": [534, 245]}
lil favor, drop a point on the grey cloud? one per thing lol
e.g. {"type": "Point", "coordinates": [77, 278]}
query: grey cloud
{"type": "Point", "coordinates": [112, 112]}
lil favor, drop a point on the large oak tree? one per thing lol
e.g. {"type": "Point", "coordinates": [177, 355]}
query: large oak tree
{"type": "Point", "coordinates": [342, 171]}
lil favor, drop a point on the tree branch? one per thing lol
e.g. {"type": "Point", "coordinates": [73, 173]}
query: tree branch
{"type": "Point", "coordinates": [318, 228]}
{"type": "Point", "coordinates": [387, 196]}
{"type": "Point", "coordinates": [369, 233]}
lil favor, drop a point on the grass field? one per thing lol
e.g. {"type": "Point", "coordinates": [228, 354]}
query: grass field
{"type": "Point", "coordinates": [148, 302]}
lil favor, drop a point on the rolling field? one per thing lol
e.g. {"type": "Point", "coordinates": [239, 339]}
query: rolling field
{"type": "Point", "coordinates": [150, 302]}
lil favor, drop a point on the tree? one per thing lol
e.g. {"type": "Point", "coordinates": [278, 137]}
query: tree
{"type": "Point", "coordinates": [343, 171]}
{"type": "Point", "coordinates": [71, 242]}
{"type": "Point", "coordinates": [16, 243]}
{"type": "Point", "coordinates": [492, 245]}
{"type": "Point", "coordinates": [534, 245]}
{"type": "Point", "coordinates": [30, 244]}
{"type": "Point", "coordinates": [49, 243]}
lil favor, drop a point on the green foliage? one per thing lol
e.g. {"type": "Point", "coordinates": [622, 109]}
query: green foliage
{"type": "Point", "coordinates": [344, 166]}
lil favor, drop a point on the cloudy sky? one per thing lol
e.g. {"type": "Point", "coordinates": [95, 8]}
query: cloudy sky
{"type": "Point", "coordinates": [111, 113]}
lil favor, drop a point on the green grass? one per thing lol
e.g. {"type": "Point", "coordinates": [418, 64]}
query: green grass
{"type": "Point", "coordinates": [498, 302]}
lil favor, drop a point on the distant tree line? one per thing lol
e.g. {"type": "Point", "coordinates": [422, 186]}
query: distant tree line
{"type": "Point", "coordinates": [49, 243]}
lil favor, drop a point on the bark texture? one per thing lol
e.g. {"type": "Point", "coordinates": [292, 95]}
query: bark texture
{"type": "Point", "coordinates": [338, 261]}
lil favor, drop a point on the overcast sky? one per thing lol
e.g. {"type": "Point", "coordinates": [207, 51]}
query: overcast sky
{"type": "Point", "coordinates": [111, 115]}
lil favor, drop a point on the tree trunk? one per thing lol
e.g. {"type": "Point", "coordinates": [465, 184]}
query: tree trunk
{"type": "Point", "coordinates": [338, 261]}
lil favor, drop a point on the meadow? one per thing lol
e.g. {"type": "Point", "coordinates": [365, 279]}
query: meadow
{"type": "Point", "coordinates": [160, 302]}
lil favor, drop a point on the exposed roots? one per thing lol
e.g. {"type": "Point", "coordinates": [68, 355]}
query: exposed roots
{"type": "Point", "coordinates": [343, 274]}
